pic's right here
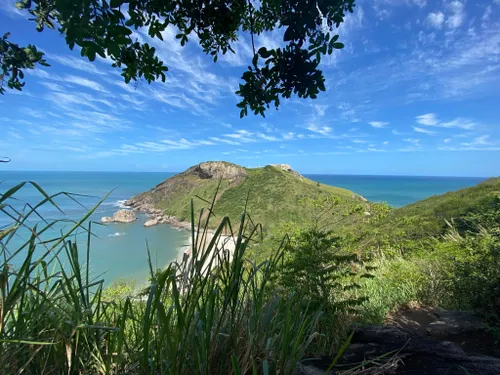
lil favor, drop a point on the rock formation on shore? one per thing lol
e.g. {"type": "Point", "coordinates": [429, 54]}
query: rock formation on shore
{"type": "Point", "coordinates": [120, 216]}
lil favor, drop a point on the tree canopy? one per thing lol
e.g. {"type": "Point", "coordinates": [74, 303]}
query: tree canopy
{"type": "Point", "coordinates": [106, 28]}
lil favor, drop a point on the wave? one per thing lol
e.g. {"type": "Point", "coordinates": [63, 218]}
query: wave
{"type": "Point", "coordinates": [116, 234]}
{"type": "Point", "coordinates": [120, 203]}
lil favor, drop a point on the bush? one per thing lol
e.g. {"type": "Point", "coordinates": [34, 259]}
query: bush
{"type": "Point", "coordinates": [475, 272]}
{"type": "Point", "coordinates": [317, 270]}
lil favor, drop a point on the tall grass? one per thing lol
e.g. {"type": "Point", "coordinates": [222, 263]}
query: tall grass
{"type": "Point", "coordinates": [208, 313]}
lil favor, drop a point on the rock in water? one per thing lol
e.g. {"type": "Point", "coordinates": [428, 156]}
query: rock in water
{"type": "Point", "coordinates": [106, 219]}
{"type": "Point", "coordinates": [124, 216]}
{"type": "Point", "coordinates": [152, 222]}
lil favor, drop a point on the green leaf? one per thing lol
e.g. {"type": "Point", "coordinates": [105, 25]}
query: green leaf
{"type": "Point", "coordinates": [123, 30]}
{"type": "Point", "coordinates": [264, 53]}
{"type": "Point", "coordinates": [288, 34]}
{"type": "Point", "coordinates": [338, 45]}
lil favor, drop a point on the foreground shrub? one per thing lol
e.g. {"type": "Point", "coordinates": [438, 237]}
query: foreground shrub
{"type": "Point", "coordinates": [475, 272]}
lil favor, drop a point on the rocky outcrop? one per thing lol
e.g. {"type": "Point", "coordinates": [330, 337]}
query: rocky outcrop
{"type": "Point", "coordinates": [152, 222]}
{"type": "Point", "coordinates": [390, 350]}
{"type": "Point", "coordinates": [283, 167]}
{"type": "Point", "coordinates": [124, 216]}
{"type": "Point", "coordinates": [217, 170]}
{"type": "Point", "coordinates": [184, 182]}
{"type": "Point", "coordinates": [286, 168]}
{"type": "Point", "coordinates": [418, 341]}
{"type": "Point", "coordinates": [120, 216]}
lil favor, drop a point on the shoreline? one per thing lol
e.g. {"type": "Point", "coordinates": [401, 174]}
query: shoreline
{"type": "Point", "coordinates": [225, 243]}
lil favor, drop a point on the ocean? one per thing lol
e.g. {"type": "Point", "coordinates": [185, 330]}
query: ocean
{"type": "Point", "coordinates": [119, 251]}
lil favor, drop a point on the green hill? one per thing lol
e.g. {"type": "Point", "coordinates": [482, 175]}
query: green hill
{"type": "Point", "coordinates": [467, 207]}
{"type": "Point", "coordinates": [273, 194]}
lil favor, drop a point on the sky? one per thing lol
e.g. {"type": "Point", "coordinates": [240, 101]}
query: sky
{"type": "Point", "coordinates": [414, 92]}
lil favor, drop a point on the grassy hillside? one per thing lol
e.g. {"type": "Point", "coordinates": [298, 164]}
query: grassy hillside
{"type": "Point", "coordinates": [428, 217]}
{"type": "Point", "coordinates": [275, 195]}
{"type": "Point", "coordinates": [272, 195]}
{"type": "Point", "coordinates": [441, 251]}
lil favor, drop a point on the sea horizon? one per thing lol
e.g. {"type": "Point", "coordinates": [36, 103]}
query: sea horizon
{"type": "Point", "coordinates": [302, 173]}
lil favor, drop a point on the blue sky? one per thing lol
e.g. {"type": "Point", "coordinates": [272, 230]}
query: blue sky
{"type": "Point", "coordinates": [415, 92]}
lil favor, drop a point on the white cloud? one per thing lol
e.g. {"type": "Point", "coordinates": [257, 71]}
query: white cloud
{"type": "Point", "coordinates": [487, 13]}
{"type": "Point", "coordinates": [14, 134]}
{"type": "Point", "coordinates": [383, 14]}
{"type": "Point", "coordinates": [457, 14]}
{"type": "Point", "coordinates": [414, 141]}
{"type": "Point", "coordinates": [242, 56]}
{"type": "Point", "coordinates": [419, 3]}
{"type": "Point", "coordinates": [435, 19]}
{"type": "Point", "coordinates": [85, 83]}
{"type": "Point", "coordinates": [320, 109]}
{"type": "Point", "coordinates": [424, 131]}
{"type": "Point", "coordinates": [9, 8]}
{"type": "Point", "coordinates": [447, 140]}
{"type": "Point", "coordinates": [75, 63]}
{"type": "Point", "coordinates": [479, 141]}
{"type": "Point", "coordinates": [32, 112]}
{"type": "Point", "coordinates": [378, 124]}
{"type": "Point", "coordinates": [459, 123]}
{"type": "Point", "coordinates": [270, 39]}
{"type": "Point", "coordinates": [267, 137]}
{"type": "Point", "coordinates": [241, 136]}
{"type": "Point", "coordinates": [225, 141]}
{"type": "Point", "coordinates": [430, 119]}
{"type": "Point", "coordinates": [268, 128]}
{"type": "Point", "coordinates": [323, 130]}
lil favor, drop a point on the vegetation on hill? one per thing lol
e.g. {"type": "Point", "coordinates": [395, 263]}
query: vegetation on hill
{"type": "Point", "coordinates": [444, 251]}
{"type": "Point", "coordinates": [429, 217]}
{"type": "Point", "coordinates": [270, 195]}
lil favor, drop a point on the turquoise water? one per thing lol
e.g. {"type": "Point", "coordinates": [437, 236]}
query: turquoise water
{"type": "Point", "coordinates": [119, 250]}
{"type": "Point", "coordinates": [397, 190]}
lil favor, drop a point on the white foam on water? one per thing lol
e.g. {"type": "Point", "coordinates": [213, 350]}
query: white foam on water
{"type": "Point", "coordinates": [116, 234]}
{"type": "Point", "coordinates": [120, 203]}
